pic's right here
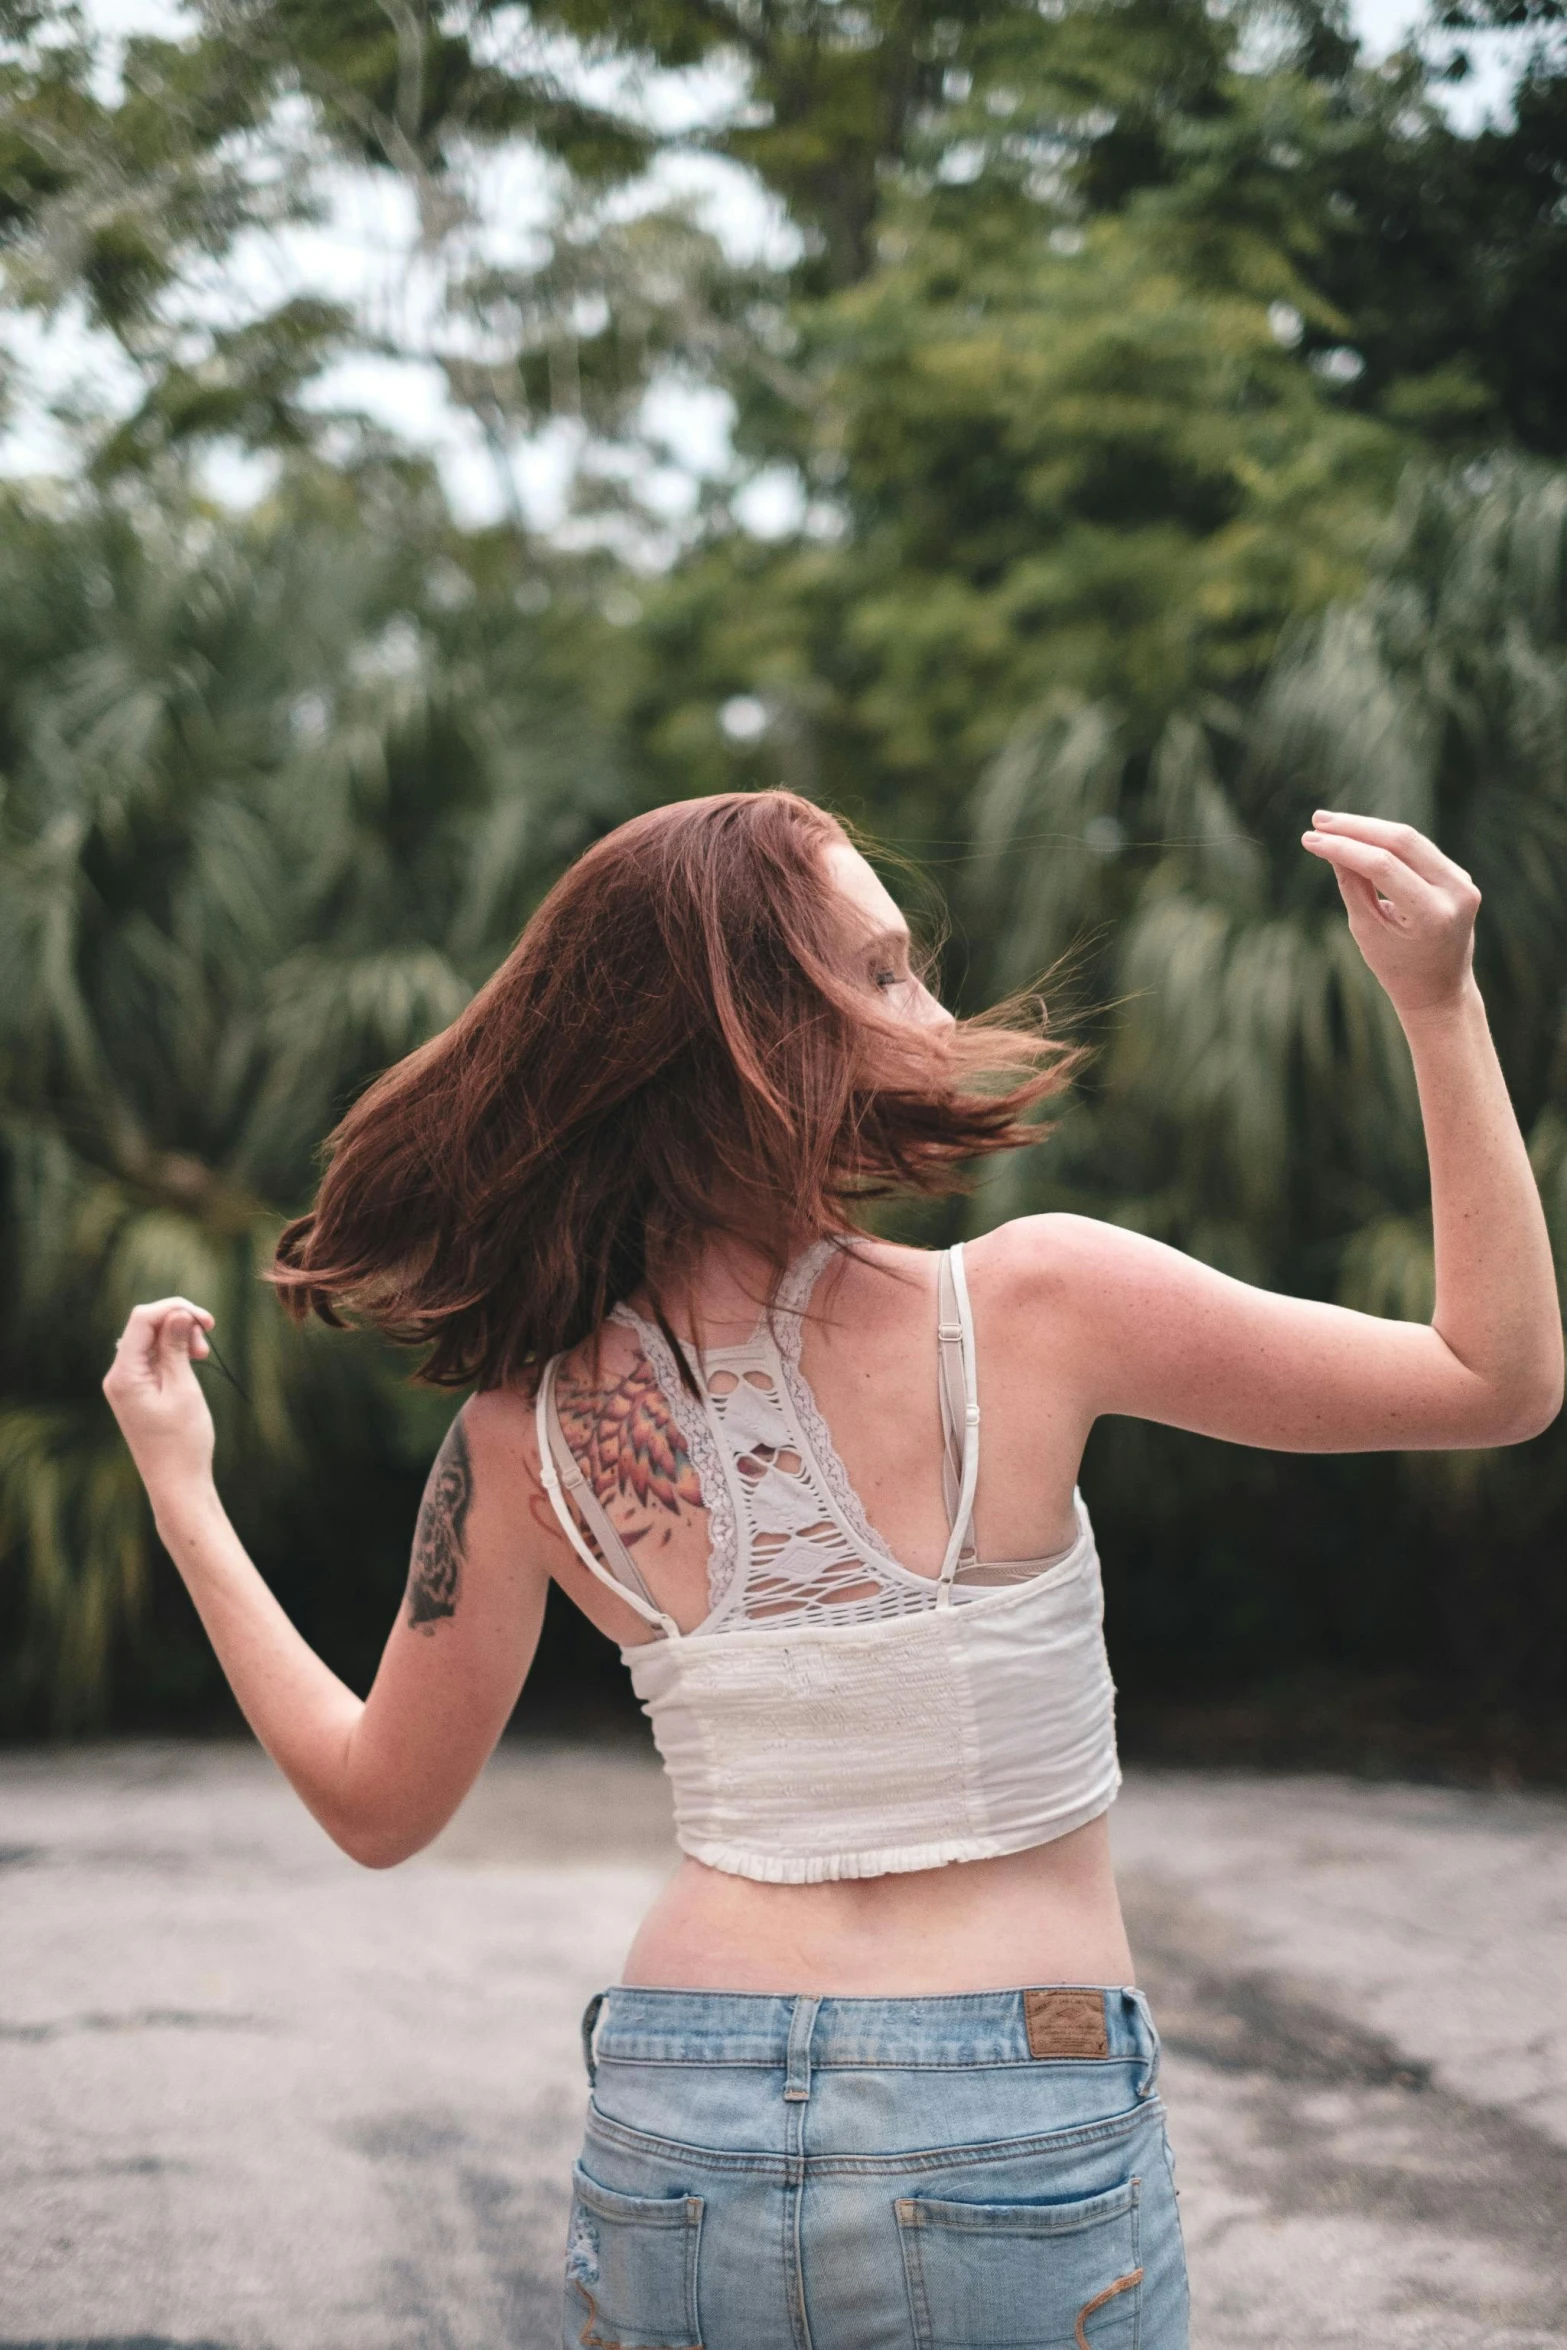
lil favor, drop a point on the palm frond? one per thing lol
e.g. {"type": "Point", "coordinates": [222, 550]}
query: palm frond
{"type": "Point", "coordinates": [259, 837]}
{"type": "Point", "coordinates": [1045, 823]}
{"type": "Point", "coordinates": [1255, 1094]}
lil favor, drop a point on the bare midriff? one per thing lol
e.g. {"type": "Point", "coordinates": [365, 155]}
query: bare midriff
{"type": "Point", "coordinates": [1049, 1915]}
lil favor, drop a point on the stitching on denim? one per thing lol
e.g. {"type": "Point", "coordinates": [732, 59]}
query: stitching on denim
{"type": "Point", "coordinates": [774, 2063]}
{"type": "Point", "coordinates": [591, 2339]}
{"type": "Point", "coordinates": [920, 2212]}
{"type": "Point", "coordinates": [1124, 2284]}
{"type": "Point", "coordinates": [793, 2201]}
{"type": "Point", "coordinates": [821, 2166]}
{"type": "Point", "coordinates": [909, 2249]}
{"type": "Point", "coordinates": [696, 2211]}
{"type": "Point", "coordinates": [1137, 2261]}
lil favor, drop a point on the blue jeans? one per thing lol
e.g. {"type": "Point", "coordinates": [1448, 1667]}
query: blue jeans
{"type": "Point", "coordinates": [981, 2172]}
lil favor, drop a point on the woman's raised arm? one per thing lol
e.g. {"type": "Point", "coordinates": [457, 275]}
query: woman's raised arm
{"type": "Point", "coordinates": [383, 1774]}
{"type": "Point", "coordinates": [1155, 1335]}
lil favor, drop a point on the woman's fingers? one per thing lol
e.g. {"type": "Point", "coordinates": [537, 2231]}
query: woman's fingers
{"type": "Point", "coordinates": [1359, 895]}
{"type": "Point", "coordinates": [1387, 875]}
{"type": "Point", "coordinates": [181, 1336]}
{"type": "Point", "coordinates": [157, 1335]}
{"type": "Point", "coordinates": [145, 1321]}
{"type": "Point", "coordinates": [1412, 848]}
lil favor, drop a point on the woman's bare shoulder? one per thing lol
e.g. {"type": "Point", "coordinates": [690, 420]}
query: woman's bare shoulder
{"type": "Point", "coordinates": [499, 1421]}
{"type": "Point", "coordinates": [1026, 1266]}
{"type": "Point", "coordinates": [1081, 1300]}
{"type": "Point", "coordinates": [502, 1420]}
{"type": "Point", "coordinates": [1052, 1258]}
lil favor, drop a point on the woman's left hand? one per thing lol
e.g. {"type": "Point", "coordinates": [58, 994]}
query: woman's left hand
{"type": "Point", "coordinates": [155, 1394]}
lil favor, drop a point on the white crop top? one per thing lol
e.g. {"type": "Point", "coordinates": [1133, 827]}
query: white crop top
{"type": "Point", "coordinates": [836, 1714]}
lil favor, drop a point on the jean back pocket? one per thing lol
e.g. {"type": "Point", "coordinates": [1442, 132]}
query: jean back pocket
{"type": "Point", "coordinates": [1024, 2276]}
{"type": "Point", "coordinates": [631, 2264]}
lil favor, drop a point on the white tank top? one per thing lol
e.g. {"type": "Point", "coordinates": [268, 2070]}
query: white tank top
{"type": "Point", "coordinates": [836, 1714]}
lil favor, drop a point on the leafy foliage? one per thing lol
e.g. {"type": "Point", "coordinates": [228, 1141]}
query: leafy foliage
{"type": "Point", "coordinates": [1159, 301]}
{"type": "Point", "coordinates": [1043, 461]}
{"type": "Point", "coordinates": [1101, 339]}
{"type": "Point", "coordinates": [273, 805]}
{"type": "Point", "coordinates": [1254, 1101]}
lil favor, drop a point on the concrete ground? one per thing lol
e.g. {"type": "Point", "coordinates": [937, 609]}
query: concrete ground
{"type": "Point", "coordinates": [254, 2099]}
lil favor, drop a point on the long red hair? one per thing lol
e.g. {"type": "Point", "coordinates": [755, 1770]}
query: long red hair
{"type": "Point", "coordinates": [677, 1046]}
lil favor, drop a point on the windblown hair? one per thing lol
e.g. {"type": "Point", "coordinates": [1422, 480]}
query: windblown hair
{"type": "Point", "coordinates": [678, 1046]}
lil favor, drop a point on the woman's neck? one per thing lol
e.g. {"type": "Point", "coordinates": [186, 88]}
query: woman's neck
{"type": "Point", "coordinates": [724, 1292]}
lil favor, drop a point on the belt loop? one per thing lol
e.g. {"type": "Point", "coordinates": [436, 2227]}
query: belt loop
{"type": "Point", "coordinates": [1150, 2078]}
{"type": "Point", "coordinates": [797, 2076]}
{"type": "Point", "coordinates": [590, 2017]}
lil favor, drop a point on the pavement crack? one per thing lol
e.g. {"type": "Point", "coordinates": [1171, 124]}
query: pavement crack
{"type": "Point", "coordinates": [136, 2019]}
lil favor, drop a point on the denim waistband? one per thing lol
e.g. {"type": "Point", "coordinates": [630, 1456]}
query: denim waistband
{"type": "Point", "coordinates": [1065, 2021]}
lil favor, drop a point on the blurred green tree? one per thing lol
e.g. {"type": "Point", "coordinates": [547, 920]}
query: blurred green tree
{"type": "Point", "coordinates": [1253, 1100]}
{"type": "Point", "coordinates": [1104, 335]}
{"type": "Point", "coordinates": [277, 793]}
{"type": "Point", "coordinates": [1156, 302]}
{"type": "Point", "coordinates": [1033, 454]}
{"type": "Point", "coordinates": [1413, 270]}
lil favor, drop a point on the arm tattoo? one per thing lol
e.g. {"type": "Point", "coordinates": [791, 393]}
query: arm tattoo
{"type": "Point", "coordinates": [438, 1537]}
{"type": "Point", "coordinates": [629, 1442]}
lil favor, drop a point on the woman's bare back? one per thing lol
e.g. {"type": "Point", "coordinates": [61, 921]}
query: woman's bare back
{"type": "Point", "coordinates": [869, 1357]}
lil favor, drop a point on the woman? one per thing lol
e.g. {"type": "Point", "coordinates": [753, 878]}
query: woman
{"type": "Point", "coordinates": [877, 2073]}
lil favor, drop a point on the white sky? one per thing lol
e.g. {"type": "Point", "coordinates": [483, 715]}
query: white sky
{"type": "Point", "coordinates": [366, 255]}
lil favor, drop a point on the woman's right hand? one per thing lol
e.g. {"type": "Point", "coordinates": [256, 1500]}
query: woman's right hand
{"type": "Point", "coordinates": [156, 1397]}
{"type": "Point", "coordinates": [1411, 909]}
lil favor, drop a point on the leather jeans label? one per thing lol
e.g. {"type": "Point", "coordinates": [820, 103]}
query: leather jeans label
{"type": "Point", "coordinates": [1065, 2023]}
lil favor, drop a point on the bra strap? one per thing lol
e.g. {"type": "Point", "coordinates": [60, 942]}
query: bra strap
{"type": "Point", "coordinates": [558, 1468]}
{"type": "Point", "coordinates": [959, 1390]}
{"type": "Point", "coordinates": [950, 1389]}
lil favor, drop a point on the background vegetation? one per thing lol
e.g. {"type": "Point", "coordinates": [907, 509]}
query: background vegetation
{"type": "Point", "coordinates": [1169, 410]}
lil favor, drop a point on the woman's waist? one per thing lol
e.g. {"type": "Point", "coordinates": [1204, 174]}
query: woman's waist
{"type": "Point", "coordinates": [1050, 1913]}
